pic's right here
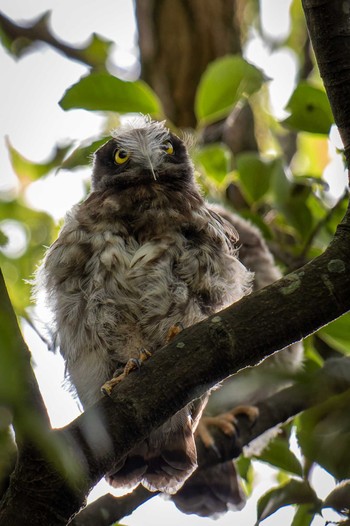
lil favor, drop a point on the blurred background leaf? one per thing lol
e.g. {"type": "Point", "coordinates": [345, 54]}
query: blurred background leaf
{"type": "Point", "coordinates": [225, 81]}
{"type": "Point", "coordinates": [309, 110]}
{"type": "Point", "coordinates": [104, 92]}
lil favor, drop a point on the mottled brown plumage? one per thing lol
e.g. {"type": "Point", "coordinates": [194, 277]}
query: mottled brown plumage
{"type": "Point", "coordinates": [218, 488]}
{"type": "Point", "coordinates": [141, 254]}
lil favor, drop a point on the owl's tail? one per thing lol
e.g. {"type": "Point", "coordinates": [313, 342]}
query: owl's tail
{"type": "Point", "coordinates": [162, 463]}
{"type": "Point", "coordinates": [211, 492]}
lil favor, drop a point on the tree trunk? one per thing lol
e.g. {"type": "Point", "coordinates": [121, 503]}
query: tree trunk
{"type": "Point", "coordinates": [177, 41]}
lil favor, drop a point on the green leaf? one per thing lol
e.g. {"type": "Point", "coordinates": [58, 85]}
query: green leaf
{"type": "Point", "coordinates": [81, 156]}
{"type": "Point", "coordinates": [224, 82]}
{"type": "Point", "coordinates": [304, 515]}
{"type": "Point", "coordinates": [280, 184]}
{"type": "Point", "coordinates": [297, 211]}
{"type": "Point", "coordinates": [255, 175]}
{"type": "Point", "coordinates": [97, 50]}
{"type": "Point", "coordinates": [244, 467]}
{"type": "Point", "coordinates": [310, 110]}
{"type": "Point", "coordinates": [18, 45]}
{"type": "Point", "coordinates": [104, 92]}
{"type": "Point", "coordinates": [216, 161]}
{"type": "Point", "coordinates": [294, 492]}
{"type": "Point", "coordinates": [323, 433]}
{"type": "Point", "coordinates": [278, 454]}
{"type": "Point", "coordinates": [28, 171]}
{"type": "Point", "coordinates": [17, 270]}
{"type": "Point", "coordinates": [337, 334]}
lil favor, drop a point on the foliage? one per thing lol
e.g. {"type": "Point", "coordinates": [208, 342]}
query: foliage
{"type": "Point", "coordinates": [225, 81]}
{"type": "Point", "coordinates": [285, 198]}
{"type": "Point", "coordinates": [104, 92]}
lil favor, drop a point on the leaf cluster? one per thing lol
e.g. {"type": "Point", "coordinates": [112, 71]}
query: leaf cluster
{"type": "Point", "coordinates": [284, 196]}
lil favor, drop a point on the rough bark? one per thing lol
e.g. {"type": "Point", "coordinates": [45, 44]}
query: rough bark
{"type": "Point", "coordinates": [329, 27]}
{"type": "Point", "coordinates": [201, 356]}
{"type": "Point", "coordinates": [177, 41]}
{"type": "Point", "coordinates": [241, 335]}
{"type": "Point", "coordinates": [314, 389]}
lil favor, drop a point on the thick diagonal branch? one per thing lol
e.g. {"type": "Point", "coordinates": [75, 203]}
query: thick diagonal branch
{"type": "Point", "coordinates": [201, 356]}
{"type": "Point", "coordinates": [313, 389]}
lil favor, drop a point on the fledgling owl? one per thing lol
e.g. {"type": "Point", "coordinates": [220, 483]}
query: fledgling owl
{"type": "Point", "coordinates": [217, 489]}
{"type": "Point", "coordinates": [141, 255]}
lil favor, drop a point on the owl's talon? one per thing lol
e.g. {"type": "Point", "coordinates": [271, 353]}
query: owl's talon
{"type": "Point", "coordinates": [131, 365]}
{"type": "Point", "coordinates": [174, 331]}
{"type": "Point", "coordinates": [226, 422]}
{"type": "Point", "coordinates": [144, 355]}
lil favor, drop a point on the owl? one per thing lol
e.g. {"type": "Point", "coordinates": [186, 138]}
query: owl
{"type": "Point", "coordinates": [215, 490]}
{"type": "Point", "coordinates": [144, 253]}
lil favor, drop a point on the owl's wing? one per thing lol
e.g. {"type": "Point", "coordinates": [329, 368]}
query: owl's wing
{"type": "Point", "coordinates": [163, 461]}
{"type": "Point", "coordinates": [211, 492]}
{"type": "Point", "coordinates": [217, 213]}
{"type": "Point", "coordinates": [217, 489]}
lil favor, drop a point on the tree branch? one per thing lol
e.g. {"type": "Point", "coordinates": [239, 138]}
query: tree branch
{"type": "Point", "coordinates": [204, 354]}
{"type": "Point", "coordinates": [328, 23]}
{"type": "Point", "coordinates": [312, 389]}
{"type": "Point", "coordinates": [196, 360]}
{"type": "Point", "coordinates": [21, 388]}
{"type": "Point", "coordinates": [20, 37]}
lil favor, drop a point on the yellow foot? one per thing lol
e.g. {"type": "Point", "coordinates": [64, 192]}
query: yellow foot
{"type": "Point", "coordinates": [131, 365]}
{"type": "Point", "coordinates": [173, 331]}
{"type": "Point", "coordinates": [226, 422]}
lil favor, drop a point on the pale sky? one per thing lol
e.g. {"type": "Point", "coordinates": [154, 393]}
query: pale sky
{"type": "Point", "coordinates": [30, 116]}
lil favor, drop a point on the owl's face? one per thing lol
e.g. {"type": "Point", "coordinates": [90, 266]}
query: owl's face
{"type": "Point", "coordinates": [143, 154]}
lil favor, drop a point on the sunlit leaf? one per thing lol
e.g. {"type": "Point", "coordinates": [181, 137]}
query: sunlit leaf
{"type": "Point", "coordinates": [104, 92]}
{"type": "Point", "coordinates": [29, 171]}
{"type": "Point", "coordinates": [223, 84]}
{"type": "Point", "coordinates": [243, 465]}
{"type": "Point", "coordinates": [324, 435]}
{"type": "Point", "coordinates": [304, 515]}
{"type": "Point", "coordinates": [278, 454]}
{"type": "Point", "coordinates": [97, 50]}
{"type": "Point", "coordinates": [216, 161]}
{"type": "Point", "coordinates": [18, 270]}
{"type": "Point", "coordinates": [337, 334]}
{"type": "Point", "coordinates": [309, 110]}
{"type": "Point", "coordinates": [312, 155]}
{"type": "Point", "coordinates": [294, 492]}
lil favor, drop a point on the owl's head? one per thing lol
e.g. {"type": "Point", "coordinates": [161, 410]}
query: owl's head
{"type": "Point", "coordinates": [142, 152]}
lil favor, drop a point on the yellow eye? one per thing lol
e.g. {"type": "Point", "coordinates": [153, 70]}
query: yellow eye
{"type": "Point", "coordinates": [121, 156]}
{"type": "Point", "coordinates": [168, 147]}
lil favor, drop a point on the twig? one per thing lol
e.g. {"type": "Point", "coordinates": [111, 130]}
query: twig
{"type": "Point", "coordinates": [39, 32]}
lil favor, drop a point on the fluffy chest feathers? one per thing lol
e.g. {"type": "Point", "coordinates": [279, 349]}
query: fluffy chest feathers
{"type": "Point", "coordinates": [140, 255]}
{"type": "Point", "coordinates": [122, 275]}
